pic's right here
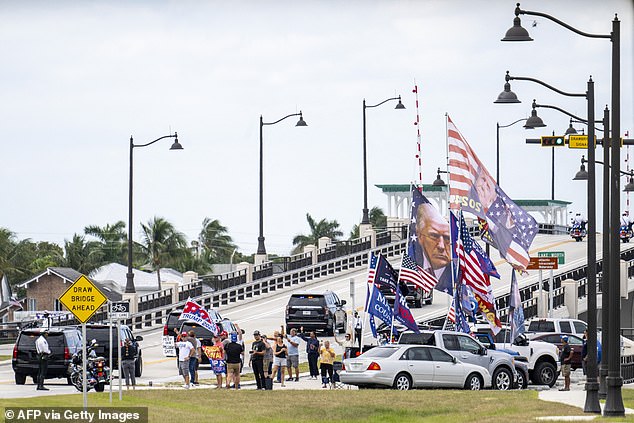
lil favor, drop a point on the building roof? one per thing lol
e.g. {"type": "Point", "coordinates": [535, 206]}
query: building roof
{"type": "Point", "coordinates": [541, 203]}
{"type": "Point", "coordinates": [408, 187]}
{"type": "Point", "coordinates": [66, 273]}
{"type": "Point", "coordinates": [114, 274]}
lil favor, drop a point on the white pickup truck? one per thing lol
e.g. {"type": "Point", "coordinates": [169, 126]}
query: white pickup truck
{"type": "Point", "coordinates": [543, 358]}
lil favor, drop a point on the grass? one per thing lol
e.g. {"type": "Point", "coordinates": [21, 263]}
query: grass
{"type": "Point", "coordinates": [4, 357]}
{"type": "Point", "coordinates": [380, 406]}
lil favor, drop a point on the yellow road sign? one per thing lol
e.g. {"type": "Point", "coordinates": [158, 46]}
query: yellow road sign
{"type": "Point", "coordinates": [579, 141]}
{"type": "Point", "coordinates": [83, 299]}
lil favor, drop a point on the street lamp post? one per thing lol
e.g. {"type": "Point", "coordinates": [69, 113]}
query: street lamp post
{"type": "Point", "coordinates": [592, 386]}
{"type": "Point", "coordinates": [261, 248]}
{"type": "Point", "coordinates": [614, 401]}
{"type": "Point", "coordinates": [129, 286]}
{"type": "Point", "coordinates": [497, 156]}
{"type": "Point", "coordinates": [365, 220]}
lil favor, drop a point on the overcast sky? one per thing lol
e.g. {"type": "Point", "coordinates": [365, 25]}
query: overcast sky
{"type": "Point", "coordinates": [79, 77]}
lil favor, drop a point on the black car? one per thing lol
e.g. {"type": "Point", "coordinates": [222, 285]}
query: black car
{"type": "Point", "coordinates": [202, 334]}
{"type": "Point", "coordinates": [316, 311]}
{"type": "Point", "coordinates": [102, 334]}
{"type": "Point", "coordinates": [63, 343]}
{"type": "Point", "coordinates": [414, 295]}
{"type": "Point", "coordinates": [172, 322]}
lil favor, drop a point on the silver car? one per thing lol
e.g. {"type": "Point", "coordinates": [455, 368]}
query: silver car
{"type": "Point", "coordinates": [405, 367]}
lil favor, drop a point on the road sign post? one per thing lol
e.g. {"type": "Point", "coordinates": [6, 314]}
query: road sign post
{"type": "Point", "coordinates": [83, 299]}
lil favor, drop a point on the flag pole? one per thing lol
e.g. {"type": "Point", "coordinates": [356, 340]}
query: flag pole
{"type": "Point", "coordinates": [365, 309]}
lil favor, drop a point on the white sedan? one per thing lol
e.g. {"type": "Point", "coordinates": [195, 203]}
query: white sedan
{"type": "Point", "coordinates": [405, 367]}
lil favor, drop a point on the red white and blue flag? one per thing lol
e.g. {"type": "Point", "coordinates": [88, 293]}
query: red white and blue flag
{"type": "Point", "coordinates": [412, 273]}
{"type": "Point", "coordinates": [472, 189]}
{"type": "Point", "coordinates": [196, 313]}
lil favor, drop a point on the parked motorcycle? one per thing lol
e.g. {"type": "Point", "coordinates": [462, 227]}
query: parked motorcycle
{"type": "Point", "coordinates": [97, 372]}
{"type": "Point", "coordinates": [625, 233]}
{"type": "Point", "coordinates": [577, 232]}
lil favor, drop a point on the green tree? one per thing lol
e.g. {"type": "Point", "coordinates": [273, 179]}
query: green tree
{"type": "Point", "coordinates": [216, 241]}
{"type": "Point", "coordinates": [378, 220]}
{"type": "Point", "coordinates": [162, 245]}
{"type": "Point", "coordinates": [81, 255]}
{"type": "Point", "coordinates": [323, 228]}
{"type": "Point", "coordinates": [113, 240]}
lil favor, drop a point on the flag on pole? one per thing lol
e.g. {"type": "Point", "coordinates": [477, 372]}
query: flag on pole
{"type": "Point", "coordinates": [402, 313]}
{"type": "Point", "coordinates": [378, 306]}
{"type": "Point", "coordinates": [516, 311]}
{"type": "Point", "coordinates": [372, 264]}
{"type": "Point", "coordinates": [412, 273]}
{"type": "Point", "coordinates": [196, 313]}
{"type": "Point", "coordinates": [472, 189]}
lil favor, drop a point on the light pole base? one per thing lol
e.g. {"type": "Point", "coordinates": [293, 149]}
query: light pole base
{"type": "Point", "coordinates": [592, 398]}
{"type": "Point", "coordinates": [365, 220]}
{"type": "Point", "coordinates": [614, 401]}
{"type": "Point", "coordinates": [260, 258]}
{"type": "Point", "coordinates": [129, 286]}
{"type": "Point", "coordinates": [603, 373]}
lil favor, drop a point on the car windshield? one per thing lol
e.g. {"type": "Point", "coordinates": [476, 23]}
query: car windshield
{"type": "Point", "coordinates": [307, 300]}
{"type": "Point", "coordinates": [380, 352]}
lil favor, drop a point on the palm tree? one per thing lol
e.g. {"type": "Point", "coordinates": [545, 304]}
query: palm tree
{"type": "Point", "coordinates": [162, 244]}
{"type": "Point", "coordinates": [113, 240]}
{"type": "Point", "coordinates": [378, 220]}
{"type": "Point", "coordinates": [323, 228]}
{"type": "Point", "coordinates": [81, 255]}
{"type": "Point", "coordinates": [216, 241]}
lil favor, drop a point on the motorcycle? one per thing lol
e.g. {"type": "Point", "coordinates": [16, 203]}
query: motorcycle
{"type": "Point", "coordinates": [625, 233]}
{"type": "Point", "coordinates": [577, 232]}
{"type": "Point", "coordinates": [97, 372]}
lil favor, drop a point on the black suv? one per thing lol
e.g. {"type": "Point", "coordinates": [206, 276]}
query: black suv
{"type": "Point", "coordinates": [172, 322]}
{"type": "Point", "coordinates": [413, 294]}
{"type": "Point", "coordinates": [63, 343]}
{"type": "Point", "coordinates": [102, 334]}
{"type": "Point", "coordinates": [203, 335]}
{"type": "Point", "coordinates": [316, 311]}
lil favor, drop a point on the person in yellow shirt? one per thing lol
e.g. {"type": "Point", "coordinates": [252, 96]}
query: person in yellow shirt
{"type": "Point", "coordinates": [326, 358]}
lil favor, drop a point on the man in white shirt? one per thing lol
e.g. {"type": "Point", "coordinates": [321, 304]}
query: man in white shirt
{"type": "Point", "coordinates": [357, 328]}
{"type": "Point", "coordinates": [43, 353]}
{"type": "Point", "coordinates": [579, 220]}
{"type": "Point", "coordinates": [625, 220]}
{"type": "Point", "coordinates": [185, 352]}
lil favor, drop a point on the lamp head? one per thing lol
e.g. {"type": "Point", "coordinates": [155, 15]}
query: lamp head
{"type": "Point", "coordinates": [507, 96]}
{"type": "Point", "coordinates": [438, 182]}
{"type": "Point", "coordinates": [582, 175]}
{"type": "Point", "coordinates": [176, 145]}
{"type": "Point", "coordinates": [534, 121]}
{"type": "Point", "coordinates": [301, 121]}
{"type": "Point", "coordinates": [400, 105]}
{"type": "Point", "coordinates": [630, 185]}
{"type": "Point", "coordinates": [571, 130]}
{"type": "Point", "coordinates": [517, 32]}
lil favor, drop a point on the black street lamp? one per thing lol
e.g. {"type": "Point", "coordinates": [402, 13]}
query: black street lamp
{"type": "Point", "coordinates": [366, 218]}
{"type": "Point", "coordinates": [614, 401]}
{"type": "Point", "coordinates": [497, 155]}
{"type": "Point", "coordinates": [129, 286]}
{"type": "Point", "coordinates": [300, 122]}
{"type": "Point", "coordinates": [592, 386]}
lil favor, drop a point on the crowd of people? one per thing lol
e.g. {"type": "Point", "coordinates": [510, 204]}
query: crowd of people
{"type": "Point", "coordinates": [273, 359]}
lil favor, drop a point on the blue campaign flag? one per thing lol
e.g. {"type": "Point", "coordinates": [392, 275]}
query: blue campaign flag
{"type": "Point", "coordinates": [379, 307]}
{"type": "Point", "coordinates": [402, 313]}
{"type": "Point", "coordinates": [385, 274]}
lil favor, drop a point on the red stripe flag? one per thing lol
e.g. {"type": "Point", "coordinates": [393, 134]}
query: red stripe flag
{"type": "Point", "coordinates": [413, 273]}
{"type": "Point", "coordinates": [472, 189]}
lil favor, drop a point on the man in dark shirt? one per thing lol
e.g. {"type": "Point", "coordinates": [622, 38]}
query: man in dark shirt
{"type": "Point", "coordinates": [257, 359]}
{"type": "Point", "coordinates": [233, 351]}
{"type": "Point", "coordinates": [566, 358]}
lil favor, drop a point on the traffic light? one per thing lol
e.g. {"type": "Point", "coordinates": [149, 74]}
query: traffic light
{"type": "Point", "coordinates": [553, 141]}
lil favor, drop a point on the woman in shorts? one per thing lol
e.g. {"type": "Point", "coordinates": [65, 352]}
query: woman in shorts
{"type": "Point", "coordinates": [280, 352]}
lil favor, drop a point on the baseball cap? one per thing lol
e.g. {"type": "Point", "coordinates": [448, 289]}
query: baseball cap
{"type": "Point", "coordinates": [223, 333]}
{"type": "Point", "coordinates": [234, 337]}
{"type": "Point", "coordinates": [184, 333]}
{"type": "Point", "coordinates": [257, 332]}
{"type": "Point", "coordinates": [564, 337]}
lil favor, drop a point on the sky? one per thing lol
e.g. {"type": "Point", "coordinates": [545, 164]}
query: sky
{"type": "Point", "coordinates": [78, 78]}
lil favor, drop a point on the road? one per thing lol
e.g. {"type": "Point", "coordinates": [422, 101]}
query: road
{"type": "Point", "coordinates": [267, 314]}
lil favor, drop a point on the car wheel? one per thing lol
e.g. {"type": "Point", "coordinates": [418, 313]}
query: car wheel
{"type": "Point", "coordinates": [100, 387]}
{"type": "Point", "coordinates": [502, 379]}
{"type": "Point", "coordinates": [473, 383]}
{"type": "Point", "coordinates": [20, 378]}
{"type": "Point", "coordinates": [418, 303]}
{"type": "Point", "coordinates": [138, 366]}
{"type": "Point", "coordinates": [545, 374]}
{"type": "Point", "coordinates": [522, 383]}
{"type": "Point", "coordinates": [402, 382]}
{"type": "Point", "coordinates": [344, 326]}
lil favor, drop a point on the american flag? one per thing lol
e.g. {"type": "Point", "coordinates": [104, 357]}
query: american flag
{"type": "Point", "coordinates": [195, 312]}
{"type": "Point", "coordinates": [471, 263]}
{"type": "Point", "coordinates": [516, 311]}
{"type": "Point", "coordinates": [372, 265]}
{"type": "Point", "coordinates": [472, 189]}
{"type": "Point", "coordinates": [413, 273]}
